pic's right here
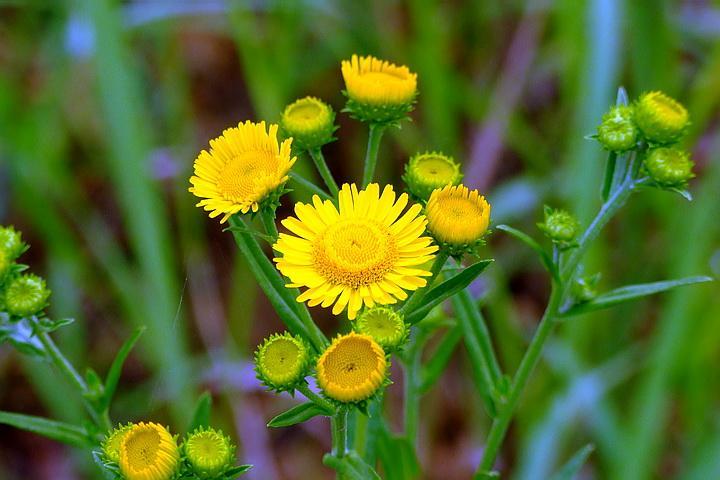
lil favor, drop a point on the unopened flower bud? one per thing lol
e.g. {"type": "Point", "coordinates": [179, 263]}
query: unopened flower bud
{"type": "Point", "coordinates": [310, 122]}
{"type": "Point", "coordinates": [26, 295]}
{"type": "Point", "coordinates": [661, 119]}
{"type": "Point", "coordinates": [560, 226]}
{"type": "Point", "coordinates": [282, 361]}
{"type": "Point", "coordinates": [618, 132]}
{"type": "Point", "coordinates": [427, 171]}
{"type": "Point", "coordinates": [209, 452]}
{"type": "Point", "coordinates": [669, 167]}
{"type": "Point", "coordinates": [384, 325]}
{"type": "Point", "coordinates": [11, 244]}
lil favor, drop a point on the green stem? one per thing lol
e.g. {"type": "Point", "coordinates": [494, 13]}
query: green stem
{"type": "Point", "coordinates": [339, 433]}
{"type": "Point", "coordinates": [308, 185]}
{"type": "Point", "coordinates": [315, 398]}
{"type": "Point", "coordinates": [412, 390]}
{"type": "Point", "coordinates": [102, 420]}
{"type": "Point", "coordinates": [322, 168]}
{"type": "Point", "coordinates": [532, 355]}
{"type": "Point", "coordinates": [416, 297]}
{"type": "Point", "coordinates": [361, 431]}
{"type": "Point", "coordinates": [268, 220]}
{"type": "Point", "coordinates": [609, 175]}
{"type": "Point", "coordinates": [374, 136]}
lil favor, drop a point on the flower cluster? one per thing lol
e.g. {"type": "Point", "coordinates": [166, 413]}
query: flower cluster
{"type": "Point", "coordinates": [148, 451]}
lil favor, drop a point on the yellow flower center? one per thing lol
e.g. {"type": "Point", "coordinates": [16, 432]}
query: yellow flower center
{"type": "Point", "coordinates": [667, 108]}
{"type": "Point", "coordinates": [243, 177]}
{"type": "Point", "coordinates": [438, 168]}
{"type": "Point", "coordinates": [355, 253]}
{"type": "Point", "coordinates": [208, 451]}
{"type": "Point", "coordinates": [148, 452]}
{"type": "Point", "coordinates": [457, 215]}
{"type": "Point", "coordinates": [352, 368]}
{"type": "Point", "coordinates": [304, 111]}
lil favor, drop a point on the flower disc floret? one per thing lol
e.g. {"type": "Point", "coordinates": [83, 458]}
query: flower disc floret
{"type": "Point", "coordinates": [618, 132]}
{"type": "Point", "coordinates": [378, 91]}
{"type": "Point", "coordinates": [11, 244]}
{"type": "Point", "coordinates": [386, 326]}
{"type": "Point", "coordinates": [427, 171]}
{"type": "Point", "coordinates": [364, 251]}
{"type": "Point", "coordinates": [26, 295]}
{"type": "Point", "coordinates": [661, 118]}
{"type": "Point", "coordinates": [282, 361]}
{"type": "Point", "coordinates": [457, 218]}
{"type": "Point", "coordinates": [148, 452]}
{"type": "Point", "coordinates": [209, 452]}
{"type": "Point", "coordinates": [352, 369]}
{"type": "Point", "coordinates": [669, 167]}
{"type": "Point", "coordinates": [245, 167]}
{"type": "Point", "coordinates": [310, 122]}
{"type": "Point", "coordinates": [111, 445]}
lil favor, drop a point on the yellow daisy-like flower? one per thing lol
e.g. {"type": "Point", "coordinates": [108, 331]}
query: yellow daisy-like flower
{"type": "Point", "coordinates": [352, 369]}
{"type": "Point", "coordinates": [244, 166]}
{"type": "Point", "coordinates": [309, 121]}
{"type": "Point", "coordinates": [365, 252]}
{"type": "Point", "coordinates": [457, 217]}
{"type": "Point", "coordinates": [111, 445]}
{"type": "Point", "coordinates": [148, 452]}
{"type": "Point", "coordinates": [209, 452]}
{"type": "Point", "coordinates": [378, 90]}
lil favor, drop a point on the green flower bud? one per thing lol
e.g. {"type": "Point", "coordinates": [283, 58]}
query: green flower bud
{"type": "Point", "coordinates": [384, 325]}
{"type": "Point", "coordinates": [660, 118]}
{"type": "Point", "coordinates": [282, 362]}
{"type": "Point", "coordinates": [427, 171]}
{"type": "Point", "coordinates": [669, 167]}
{"type": "Point", "coordinates": [11, 244]}
{"type": "Point", "coordinates": [26, 295]}
{"type": "Point", "coordinates": [209, 452]}
{"type": "Point", "coordinates": [5, 265]}
{"type": "Point", "coordinates": [560, 226]}
{"type": "Point", "coordinates": [618, 132]}
{"type": "Point", "coordinates": [310, 122]}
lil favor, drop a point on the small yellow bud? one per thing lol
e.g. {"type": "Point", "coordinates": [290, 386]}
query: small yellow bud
{"type": "Point", "coordinates": [384, 325]}
{"type": "Point", "coordinates": [209, 452]}
{"type": "Point", "coordinates": [618, 132]}
{"type": "Point", "coordinates": [660, 118]}
{"type": "Point", "coordinates": [427, 171]}
{"type": "Point", "coordinates": [11, 244]}
{"type": "Point", "coordinates": [560, 226]}
{"type": "Point", "coordinates": [310, 122]}
{"type": "Point", "coordinates": [282, 361]}
{"type": "Point", "coordinates": [26, 295]}
{"type": "Point", "coordinates": [669, 167]}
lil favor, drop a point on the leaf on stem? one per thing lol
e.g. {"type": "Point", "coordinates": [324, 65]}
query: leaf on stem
{"type": "Point", "coordinates": [235, 472]}
{"type": "Point", "coordinates": [397, 456]}
{"type": "Point", "coordinates": [351, 466]}
{"type": "Point", "coordinates": [298, 414]}
{"type": "Point", "coordinates": [630, 292]}
{"type": "Point", "coordinates": [113, 376]}
{"type": "Point", "coordinates": [533, 244]}
{"type": "Point", "coordinates": [570, 470]}
{"type": "Point", "coordinates": [201, 417]}
{"type": "Point", "coordinates": [59, 431]}
{"type": "Point", "coordinates": [432, 370]}
{"type": "Point", "coordinates": [21, 335]}
{"type": "Point", "coordinates": [445, 290]}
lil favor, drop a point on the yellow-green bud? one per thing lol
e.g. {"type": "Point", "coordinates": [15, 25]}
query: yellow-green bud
{"type": "Point", "coordinates": [669, 167]}
{"type": "Point", "coordinates": [11, 244]}
{"type": "Point", "coordinates": [209, 452]}
{"type": "Point", "coordinates": [5, 264]}
{"type": "Point", "coordinates": [559, 226]}
{"type": "Point", "coordinates": [111, 445]}
{"type": "Point", "coordinates": [26, 295]}
{"type": "Point", "coordinates": [310, 122]}
{"type": "Point", "coordinates": [282, 361]}
{"type": "Point", "coordinates": [430, 170]}
{"type": "Point", "coordinates": [661, 119]}
{"type": "Point", "coordinates": [384, 325]}
{"type": "Point", "coordinates": [618, 132]}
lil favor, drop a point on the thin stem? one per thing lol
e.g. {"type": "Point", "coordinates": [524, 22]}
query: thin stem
{"type": "Point", "coordinates": [609, 175]}
{"type": "Point", "coordinates": [308, 185]}
{"type": "Point", "coordinates": [268, 220]}
{"type": "Point", "coordinates": [361, 433]}
{"type": "Point", "coordinates": [315, 398]}
{"type": "Point", "coordinates": [374, 136]}
{"type": "Point", "coordinates": [322, 168]}
{"type": "Point", "coordinates": [412, 393]}
{"type": "Point", "coordinates": [339, 433]}
{"type": "Point", "coordinates": [417, 296]}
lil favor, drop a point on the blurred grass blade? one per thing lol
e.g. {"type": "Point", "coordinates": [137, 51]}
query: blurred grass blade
{"type": "Point", "coordinates": [570, 470]}
{"type": "Point", "coordinates": [203, 408]}
{"type": "Point", "coordinates": [298, 414]}
{"type": "Point", "coordinates": [432, 370]}
{"type": "Point", "coordinates": [532, 243]}
{"type": "Point", "coordinates": [113, 376]}
{"type": "Point", "coordinates": [446, 289]}
{"type": "Point", "coordinates": [397, 456]}
{"type": "Point", "coordinates": [60, 431]}
{"type": "Point", "coordinates": [631, 292]}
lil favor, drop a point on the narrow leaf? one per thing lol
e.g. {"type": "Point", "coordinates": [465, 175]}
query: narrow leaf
{"type": "Point", "coordinates": [439, 359]}
{"type": "Point", "coordinates": [446, 289]}
{"type": "Point", "coordinates": [622, 97]}
{"type": "Point", "coordinates": [532, 243]}
{"type": "Point", "coordinates": [113, 376]}
{"type": "Point", "coordinates": [201, 417]}
{"type": "Point", "coordinates": [297, 414]}
{"type": "Point", "coordinates": [631, 292]}
{"type": "Point", "coordinates": [573, 466]}
{"type": "Point", "coordinates": [351, 467]}
{"type": "Point", "coordinates": [235, 472]}
{"type": "Point", "coordinates": [397, 456]}
{"type": "Point", "coordinates": [59, 431]}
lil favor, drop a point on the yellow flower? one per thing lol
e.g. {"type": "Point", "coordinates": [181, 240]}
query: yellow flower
{"type": "Point", "coordinates": [352, 369]}
{"type": "Point", "coordinates": [281, 361]}
{"type": "Point", "coordinates": [209, 452]}
{"type": "Point", "coordinates": [245, 165]}
{"type": "Point", "coordinates": [661, 118]}
{"type": "Point", "coordinates": [457, 217]}
{"type": "Point", "coordinates": [148, 452]}
{"type": "Point", "coordinates": [427, 171]}
{"type": "Point", "coordinates": [377, 90]}
{"type": "Point", "coordinates": [111, 445]}
{"type": "Point", "coordinates": [310, 122]}
{"type": "Point", "coordinates": [361, 253]}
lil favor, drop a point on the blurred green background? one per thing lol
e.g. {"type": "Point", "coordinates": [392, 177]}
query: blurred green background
{"type": "Point", "coordinates": [104, 106]}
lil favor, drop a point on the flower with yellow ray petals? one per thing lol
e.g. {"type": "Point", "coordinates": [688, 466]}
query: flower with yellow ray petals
{"type": "Point", "coordinates": [352, 369]}
{"type": "Point", "coordinates": [148, 452]}
{"type": "Point", "coordinates": [362, 251]}
{"type": "Point", "coordinates": [245, 166]}
{"type": "Point", "coordinates": [457, 218]}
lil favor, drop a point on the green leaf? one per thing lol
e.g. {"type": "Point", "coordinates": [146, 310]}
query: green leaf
{"type": "Point", "coordinates": [235, 472]}
{"type": "Point", "coordinates": [397, 456]}
{"type": "Point", "coordinates": [446, 289]}
{"type": "Point", "coordinates": [573, 466]}
{"type": "Point", "coordinates": [622, 97]}
{"type": "Point", "coordinates": [351, 467]}
{"type": "Point", "coordinates": [297, 414]}
{"type": "Point", "coordinates": [532, 243]}
{"type": "Point", "coordinates": [201, 417]}
{"type": "Point", "coordinates": [439, 359]}
{"type": "Point", "coordinates": [59, 431]}
{"type": "Point", "coordinates": [113, 376]}
{"type": "Point", "coordinates": [95, 387]}
{"type": "Point", "coordinates": [487, 476]}
{"type": "Point", "coordinates": [48, 325]}
{"type": "Point", "coordinates": [631, 292]}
